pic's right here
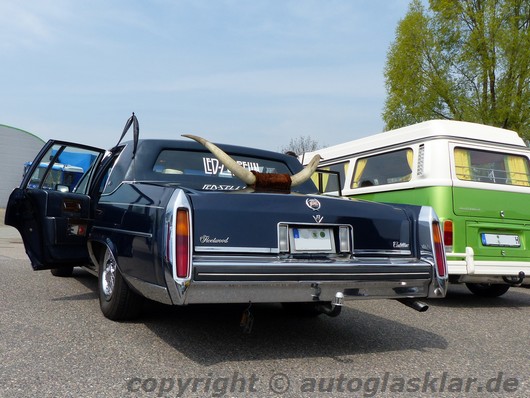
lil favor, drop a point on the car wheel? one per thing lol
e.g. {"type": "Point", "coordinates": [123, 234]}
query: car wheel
{"type": "Point", "coordinates": [62, 272]}
{"type": "Point", "coordinates": [488, 289]}
{"type": "Point", "coordinates": [116, 299]}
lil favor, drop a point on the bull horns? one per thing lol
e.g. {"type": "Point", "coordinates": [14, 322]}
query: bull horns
{"type": "Point", "coordinates": [306, 173]}
{"type": "Point", "coordinates": [247, 176]}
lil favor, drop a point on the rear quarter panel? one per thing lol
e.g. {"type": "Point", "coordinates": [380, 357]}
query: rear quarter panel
{"type": "Point", "coordinates": [131, 219]}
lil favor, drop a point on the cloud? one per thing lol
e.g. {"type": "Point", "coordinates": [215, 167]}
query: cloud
{"type": "Point", "coordinates": [76, 69]}
{"type": "Point", "coordinates": [31, 23]}
{"type": "Point", "coordinates": [357, 80]}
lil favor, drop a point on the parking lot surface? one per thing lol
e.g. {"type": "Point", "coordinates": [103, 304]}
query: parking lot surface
{"type": "Point", "coordinates": [54, 342]}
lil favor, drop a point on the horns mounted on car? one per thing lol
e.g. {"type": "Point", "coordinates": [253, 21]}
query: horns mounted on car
{"type": "Point", "coordinates": [248, 177]}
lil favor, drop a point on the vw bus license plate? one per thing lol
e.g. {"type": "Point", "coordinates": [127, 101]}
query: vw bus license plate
{"type": "Point", "coordinates": [501, 240]}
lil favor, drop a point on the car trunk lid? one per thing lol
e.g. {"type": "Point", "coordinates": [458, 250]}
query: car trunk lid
{"type": "Point", "coordinates": [249, 222]}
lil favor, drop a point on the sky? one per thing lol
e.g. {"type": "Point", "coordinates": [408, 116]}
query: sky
{"type": "Point", "coordinates": [245, 72]}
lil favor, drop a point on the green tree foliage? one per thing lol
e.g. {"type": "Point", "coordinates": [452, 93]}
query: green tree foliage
{"type": "Point", "coordinates": [462, 60]}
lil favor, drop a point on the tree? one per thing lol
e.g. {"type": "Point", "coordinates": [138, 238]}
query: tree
{"type": "Point", "coordinates": [463, 60]}
{"type": "Point", "coordinates": [301, 145]}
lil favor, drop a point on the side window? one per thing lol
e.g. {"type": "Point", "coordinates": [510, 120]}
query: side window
{"type": "Point", "coordinates": [385, 168]}
{"type": "Point", "coordinates": [491, 167]}
{"type": "Point", "coordinates": [63, 168]}
{"type": "Point", "coordinates": [330, 184]}
{"type": "Point", "coordinates": [105, 184]}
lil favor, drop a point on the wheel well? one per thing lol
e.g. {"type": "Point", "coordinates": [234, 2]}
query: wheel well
{"type": "Point", "coordinates": [97, 251]}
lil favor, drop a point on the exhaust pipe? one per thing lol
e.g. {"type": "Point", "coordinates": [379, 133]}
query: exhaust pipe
{"type": "Point", "coordinates": [414, 304]}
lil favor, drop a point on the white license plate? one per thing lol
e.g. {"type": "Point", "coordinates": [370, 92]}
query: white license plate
{"type": "Point", "coordinates": [312, 239]}
{"type": "Point", "coordinates": [501, 240]}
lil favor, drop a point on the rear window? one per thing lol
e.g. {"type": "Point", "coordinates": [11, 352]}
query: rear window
{"type": "Point", "coordinates": [204, 164]}
{"type": "Point", "coordinates": [385, 168]}
{"type": "Point", "coordinates": [491, 167]}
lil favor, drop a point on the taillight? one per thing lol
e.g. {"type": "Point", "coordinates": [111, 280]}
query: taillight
{"type": "Point", "coordinates": [183, 243]}
{"type": "Point", "coordinates": [439, 249]}
{"type": "Point", "coordinates": [448, 233]}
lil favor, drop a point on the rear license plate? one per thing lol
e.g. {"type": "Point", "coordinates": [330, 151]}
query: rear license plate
{"type": "Point", "coordinates": [312, 239]}
{"type": "Point", "coordinates": [501, 240]}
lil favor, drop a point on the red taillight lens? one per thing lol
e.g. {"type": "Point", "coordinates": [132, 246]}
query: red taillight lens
{"type": "Point", "coordinates": [183, 243]}
{"type": "Point", "coordinates": [448, 233]}
{"type": "Point", "coordinates": [439, 249]}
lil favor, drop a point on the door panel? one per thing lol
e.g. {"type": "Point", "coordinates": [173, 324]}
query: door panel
{"type": "Point", "coordinates": [51, 209]}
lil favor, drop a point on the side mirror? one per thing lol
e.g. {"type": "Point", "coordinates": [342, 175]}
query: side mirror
{"type": "Point", "coordinates": [62, 188]}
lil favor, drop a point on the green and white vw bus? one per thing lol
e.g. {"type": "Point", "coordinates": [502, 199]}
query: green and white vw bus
{"type": "Point", "coordinates": [476, 178]}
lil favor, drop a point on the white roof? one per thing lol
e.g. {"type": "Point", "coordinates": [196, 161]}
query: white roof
{"type": "Point", "coordinates": [431, 128]}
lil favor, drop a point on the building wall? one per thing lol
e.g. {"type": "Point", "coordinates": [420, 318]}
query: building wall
{"type": "Point", "coordinates": [16, 147]}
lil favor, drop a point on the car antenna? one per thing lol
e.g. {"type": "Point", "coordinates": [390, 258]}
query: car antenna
{"type": "Point", "coordinates": [133, 120]}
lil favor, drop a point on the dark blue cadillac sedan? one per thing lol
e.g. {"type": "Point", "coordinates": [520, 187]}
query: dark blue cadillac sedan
{"type": "Point", "coordinates": [185, 222]}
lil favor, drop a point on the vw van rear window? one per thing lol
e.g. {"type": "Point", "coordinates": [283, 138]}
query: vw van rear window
{"type": "Point", "coordinates": [491, 167]}
{"type": "Point", "coordinates": [384, 168]}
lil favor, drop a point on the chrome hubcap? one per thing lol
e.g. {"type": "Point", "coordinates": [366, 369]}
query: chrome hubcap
{"type": "Point", "coordinates": [108, 276]}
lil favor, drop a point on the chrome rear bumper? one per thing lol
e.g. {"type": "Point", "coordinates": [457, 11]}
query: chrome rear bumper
{"type": "Point", "coordinates": [222, 282]}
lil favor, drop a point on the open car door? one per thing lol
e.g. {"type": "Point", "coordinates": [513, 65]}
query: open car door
{"type": "Point", "coordinates": [52, 209]}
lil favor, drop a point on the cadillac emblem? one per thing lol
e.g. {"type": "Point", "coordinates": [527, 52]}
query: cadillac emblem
{"type": "Point", "coordinates": [313, 204]}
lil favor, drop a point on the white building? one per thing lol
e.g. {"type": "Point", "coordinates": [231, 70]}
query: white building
{"type": "Point", "coordinates": [16, 147]}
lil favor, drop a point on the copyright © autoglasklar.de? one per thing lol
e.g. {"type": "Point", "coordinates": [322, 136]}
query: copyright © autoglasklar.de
{"type": "Point", "coordinates": [280, 383]}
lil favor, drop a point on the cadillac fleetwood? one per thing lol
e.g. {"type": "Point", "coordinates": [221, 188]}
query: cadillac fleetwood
{"type": "Point", "coordinates": [183, 222]}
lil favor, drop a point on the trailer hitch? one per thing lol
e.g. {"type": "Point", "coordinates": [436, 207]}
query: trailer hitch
{"type": "Point", "coordinates": [334, 308]}
{"type": "Point", "coordinates": [514, 280]}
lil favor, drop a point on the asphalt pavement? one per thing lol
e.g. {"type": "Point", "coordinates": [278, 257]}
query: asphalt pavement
{"type": "Point", "coordinates": [54, 342]}
{"type": "Point", "coordinates": [10, 241]}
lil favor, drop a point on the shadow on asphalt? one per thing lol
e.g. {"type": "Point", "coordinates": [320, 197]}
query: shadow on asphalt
{"type": "Point", "coordinates": [458, 296]}
{"type": "Point", "coordinates": [211, 334]}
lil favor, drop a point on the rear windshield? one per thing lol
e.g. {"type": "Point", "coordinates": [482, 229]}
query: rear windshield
{"type": "Point", "coordinates": [207, 171]}
{"type": "Point", "coordinates": [491, 167]}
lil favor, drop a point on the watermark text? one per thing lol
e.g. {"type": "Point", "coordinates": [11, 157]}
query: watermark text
{"type": "Point", "coordinates": [237, 384]}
